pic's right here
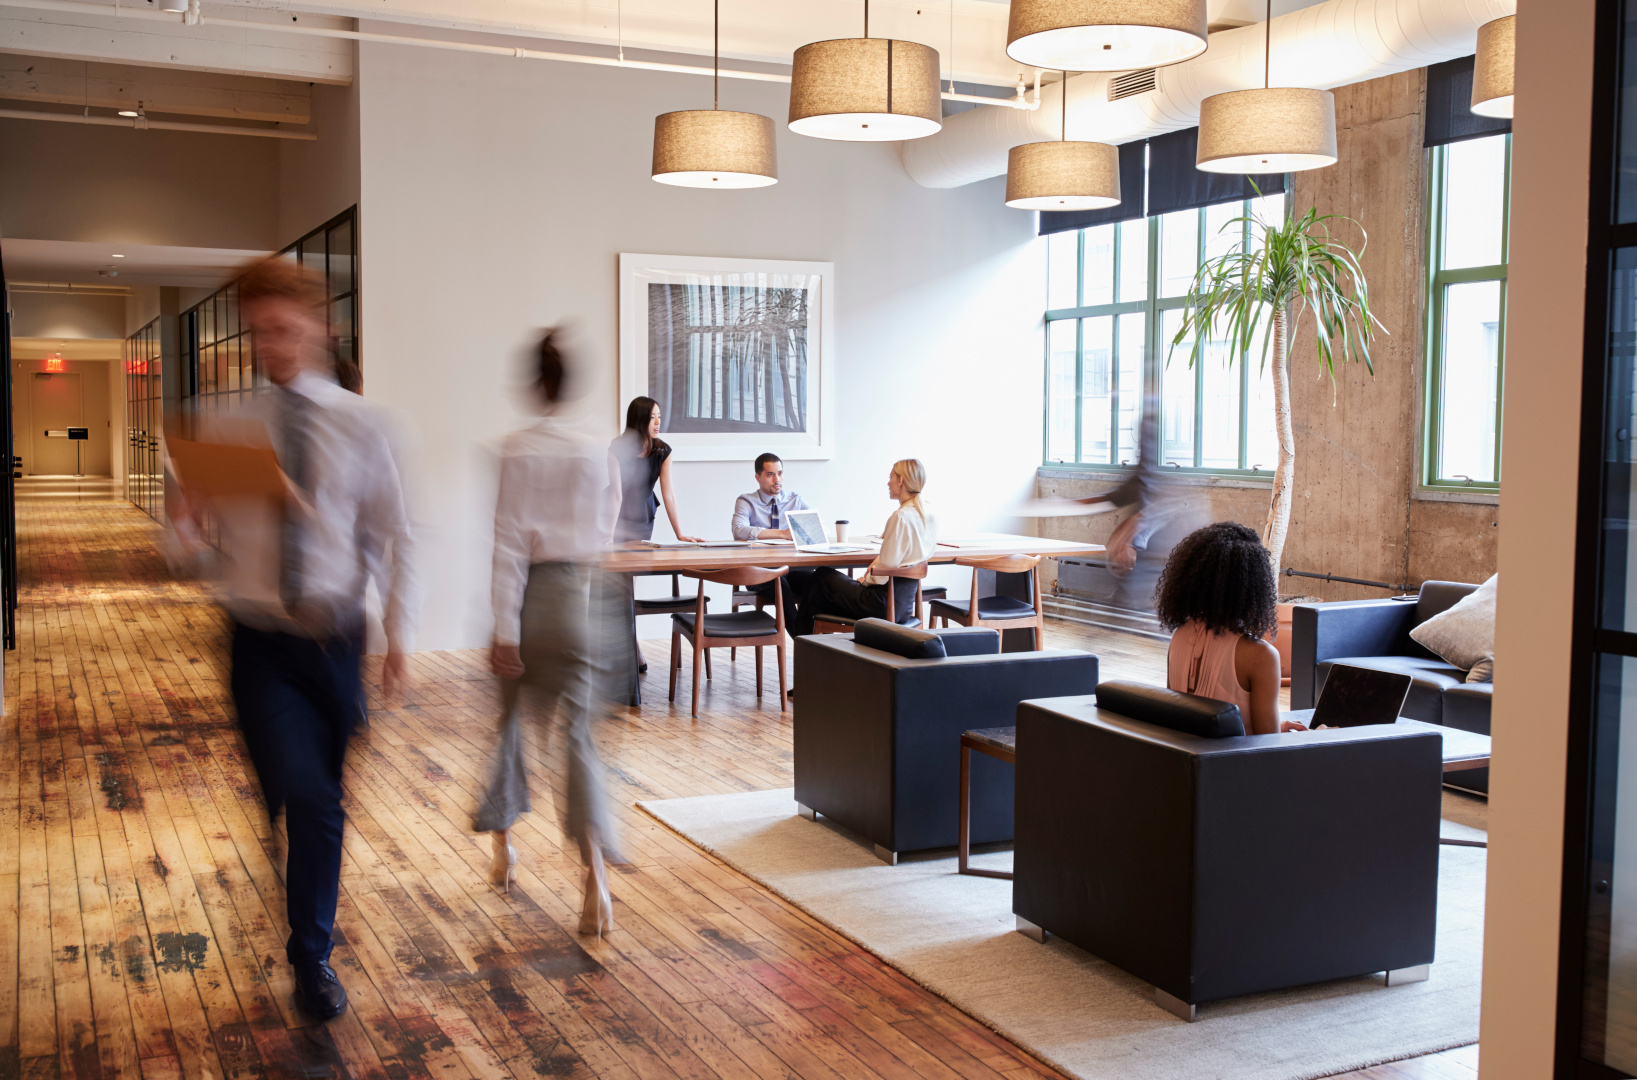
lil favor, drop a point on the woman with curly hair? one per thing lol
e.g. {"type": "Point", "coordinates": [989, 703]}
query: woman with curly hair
{"type": "Point", "coordinates": [1217, 595]}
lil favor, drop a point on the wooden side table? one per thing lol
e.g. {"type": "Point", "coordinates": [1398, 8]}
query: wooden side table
{"type": "Point", "coordinates": [1000, 743]}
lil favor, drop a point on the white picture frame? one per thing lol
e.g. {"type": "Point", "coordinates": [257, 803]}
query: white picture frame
{"type": "Point", "coordinates": [765, 383]}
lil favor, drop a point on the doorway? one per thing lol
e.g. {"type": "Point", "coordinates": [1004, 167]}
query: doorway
{"type": "Point", "coordinates": [56, 403]}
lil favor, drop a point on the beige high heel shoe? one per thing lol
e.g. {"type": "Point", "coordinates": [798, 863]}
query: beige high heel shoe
{"type": "Point", "coordinates": [503, 868]}
{"type": "Point", "coordinates": [597, 913]}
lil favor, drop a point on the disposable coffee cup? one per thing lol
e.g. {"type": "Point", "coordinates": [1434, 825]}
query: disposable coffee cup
{"type": "Point", "coordinates": [841, 532]}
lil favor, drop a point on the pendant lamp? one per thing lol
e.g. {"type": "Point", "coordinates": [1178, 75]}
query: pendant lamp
{"type": "Point", "coordinates": [1105, 35]}
{"type": "Point", "coordinates": [1492, 68]}
{"type": "Point", "coordinates": [714, 148]}
{"type": "Point", "coordinates": [1063, 175]}
{"type": "Point", "coordinates": [865, 89]}
{"type": "Point", "coordinates": [1272, 130]}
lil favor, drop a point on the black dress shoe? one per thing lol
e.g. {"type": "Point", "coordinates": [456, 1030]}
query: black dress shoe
{"type": "Point", "coordinates": [642, 668]}
{"type": "Point", "coordinates": [318, 991]}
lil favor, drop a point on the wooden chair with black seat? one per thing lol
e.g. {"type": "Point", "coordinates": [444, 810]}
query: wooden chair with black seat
{"type": "Point", "coordinates": [741, 597]}
{"type": "Point", "coordinates": [751, 629]}
{"type": "Point", "coordinates": [997, 612]}
{"type": "Point", "coordinates": [842, 624]}
{"type": "Point", "coordinates": [667, 605]}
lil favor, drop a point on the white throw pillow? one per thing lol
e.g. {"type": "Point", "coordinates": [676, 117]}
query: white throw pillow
{"type": "Point", "coordinates": [1464, 635]}
{"type": "Point", "coordinates": [1482, 671]}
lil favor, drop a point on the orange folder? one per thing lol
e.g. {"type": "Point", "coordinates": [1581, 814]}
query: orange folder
{"type": "Point", "coordinates": [217, 470]}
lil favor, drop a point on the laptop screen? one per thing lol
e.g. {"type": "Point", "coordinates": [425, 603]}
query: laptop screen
{"type": "Point", "coordinates": [1356, 696]}
{"type": "Point", "coordinates": [807, 527]}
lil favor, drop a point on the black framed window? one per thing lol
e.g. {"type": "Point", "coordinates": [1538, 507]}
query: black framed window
{"type": "Point", "coordinates": [217, 353]}
{"type": "Point", "coordinates": [144, 421]}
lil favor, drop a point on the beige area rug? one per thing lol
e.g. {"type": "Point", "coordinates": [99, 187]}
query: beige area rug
{"type": "Point", "coordinates": [956, 935]}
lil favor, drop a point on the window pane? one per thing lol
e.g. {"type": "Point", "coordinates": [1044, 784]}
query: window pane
{"type": "Point", "coordinates": [343, 328]}
{"type": "Point", "coordinates": [1133, 346]}
{"type": "Point", "coordinates": [1133, 261]}
{"type": "Point", "coordinates": [1097, 389]}
{"type": "Point", "coordinates": [1062, 270]}
{"type": "Point", "coordinates": [1269, 209]}
{"type": "Point", "coordinates": [312, 254]}
{"type": "Point", "coordinates": [1619, 577]}
{"type": "Point", "coordinates": [1060, 390]}
{"type": "Point", "coordinates": [1099, 266]}
{"type": "Point", "coordinates": [1177, 393]}
{"type": "Point", "coordinates": [230, 363]}
{"type": "Point", "coordinates": [340, 245]}
{"type": "Point", "coordinates": [1179, 252]}
{"type": "Point", "coordinates": [1475, 174]}
{"type": "Point", "coordinates": [1261, 434]}
{"type": "Point", "coordinates": [1611, 915]}
{"type": "Point", "coordinates": [1466, 440]}
{"type": "Point", "coordinates": [1219, 408]}
{"type": "Point", "coordinates": [1220, 236]}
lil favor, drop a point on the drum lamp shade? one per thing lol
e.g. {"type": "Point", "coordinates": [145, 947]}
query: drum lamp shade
{"type": "Point", "coordinates": [711, 148]}
{"type": "Point", "coordinates": [1492, 68]}
{"type": "Point", "coordinates": [1105, 35]}
{"type": "Point", "coordinates": [1281, 129]}
{"type": "Point", "coordinates": [865, 90]}
{"type": "Point", "coordinates": [1063, 176]}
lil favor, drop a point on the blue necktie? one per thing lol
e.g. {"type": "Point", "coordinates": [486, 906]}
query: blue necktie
{"type": "Point", "coordinates": [773, 515]}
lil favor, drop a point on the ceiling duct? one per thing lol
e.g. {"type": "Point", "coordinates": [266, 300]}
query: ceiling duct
{"type": "Point", "coordinates": [1324, 46]}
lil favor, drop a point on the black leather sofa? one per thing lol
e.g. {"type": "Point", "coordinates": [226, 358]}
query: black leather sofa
{"type": "Point", "coordinates": [1376, 634]}
{"type": "Point", "coordinates": [1218, 867]}
{"type": "Point", "coordinates": [878, 726]}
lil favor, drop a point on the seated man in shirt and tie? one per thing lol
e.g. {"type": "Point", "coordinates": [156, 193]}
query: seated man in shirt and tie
{"type": "Point", "coordinates": [763, 514]}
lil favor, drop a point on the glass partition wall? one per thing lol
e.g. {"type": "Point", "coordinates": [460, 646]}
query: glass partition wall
{"type": "Point", "coordinates": [144, 421]}
{"type": "Point", "coordinates": [219, 363]}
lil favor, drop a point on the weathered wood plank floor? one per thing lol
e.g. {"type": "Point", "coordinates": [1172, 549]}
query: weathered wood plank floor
{"type": "Point", "coordinates": [143, 927]}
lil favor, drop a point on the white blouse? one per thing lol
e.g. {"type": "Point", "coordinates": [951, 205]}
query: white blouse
{"type": "Point", "coordinates": [909, 538]}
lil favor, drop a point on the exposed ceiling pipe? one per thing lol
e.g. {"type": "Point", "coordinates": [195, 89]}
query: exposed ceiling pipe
{"type": "Point", "coordinates": [194, 18]}
{"type": "Point", "coordinates": [1328, 45]}
{"type": "Point", "coordinates": [142, 122]}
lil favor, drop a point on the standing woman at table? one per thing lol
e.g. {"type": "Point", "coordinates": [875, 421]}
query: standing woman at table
{"type": "Point", "coordinates": [909, 538]}
{"type": "Point", "coordinates": [637, 460]}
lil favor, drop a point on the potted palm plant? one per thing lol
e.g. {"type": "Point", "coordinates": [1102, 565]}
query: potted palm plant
{"type": "Point", "coordinates": [1256, 294]}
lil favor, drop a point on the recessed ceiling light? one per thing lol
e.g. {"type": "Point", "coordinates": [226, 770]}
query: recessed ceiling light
{"type": "Point", "coordinates": [129, 112]}
{"type": "Point", "coordinates": [116, 256]}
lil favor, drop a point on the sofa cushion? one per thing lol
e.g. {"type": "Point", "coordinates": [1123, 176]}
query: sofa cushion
{"type": "Point", "coordinates": [905, 641]}
{"type": "Point", "coordinates": [1464, 633]}
{"type": "Point", "coordinates": [1429, 678]}
{"type": "Point", "coordinates": [1188, 713]}
{"type": "Point", "coordinates": [1467, 707]}
{"type": "Point", "coordinates": [969, 640]}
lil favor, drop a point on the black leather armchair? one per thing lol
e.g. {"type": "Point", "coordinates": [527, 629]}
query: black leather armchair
{"type": "Point", "coordinates": [1376, 634]}
{"type": "Point", "coordinates": [1218, 867]}
{"type": "Point", "coordinates": [877, 734]}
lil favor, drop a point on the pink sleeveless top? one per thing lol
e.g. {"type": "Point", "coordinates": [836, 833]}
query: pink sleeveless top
{"type": "Point", "coordinates": [1202, 663]}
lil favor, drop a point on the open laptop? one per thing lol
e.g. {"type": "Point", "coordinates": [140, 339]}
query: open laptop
{"type": "Point", "coordinates": [807, 527]}
{"type": "Point", "coordinates": [1356, 696]}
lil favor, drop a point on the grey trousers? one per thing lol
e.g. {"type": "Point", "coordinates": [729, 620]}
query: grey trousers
{"type": "Point", "coordinates": [561, 620]}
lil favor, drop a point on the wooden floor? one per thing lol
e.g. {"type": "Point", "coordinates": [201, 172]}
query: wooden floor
{"type": "Point", "coordinates": [144, 934]}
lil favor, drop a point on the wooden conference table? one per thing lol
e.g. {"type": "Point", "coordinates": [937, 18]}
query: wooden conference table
{"type": "Point", "coordinates": [676, 559]}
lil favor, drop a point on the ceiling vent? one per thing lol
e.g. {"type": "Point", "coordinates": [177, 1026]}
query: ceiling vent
{"type": "Point", "coordinates": [1131, 84]}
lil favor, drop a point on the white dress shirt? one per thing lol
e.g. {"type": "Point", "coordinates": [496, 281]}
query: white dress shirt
{"type": "Point", "coordinates": [552, 508]}
{"type": "Point", "coordinates": [909, 538]}
{"type": "Point", "coordinates": [357, 527]}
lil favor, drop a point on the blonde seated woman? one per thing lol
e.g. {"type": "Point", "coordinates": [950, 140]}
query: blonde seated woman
{"type": "Point", "coordinates": [909, 538]}
{"type": "Point", "coordinates": [1218, 595]}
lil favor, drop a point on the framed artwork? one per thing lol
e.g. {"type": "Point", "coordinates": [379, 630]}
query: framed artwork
{"type": "Point", "coordinates": [736, 351]}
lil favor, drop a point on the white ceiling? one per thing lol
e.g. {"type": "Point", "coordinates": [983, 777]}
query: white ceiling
{"type": "Point", "coordinates": [143, 264]}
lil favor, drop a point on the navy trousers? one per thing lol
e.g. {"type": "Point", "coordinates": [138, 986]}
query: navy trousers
{"type": "Point", "coordinates": [298, 703]}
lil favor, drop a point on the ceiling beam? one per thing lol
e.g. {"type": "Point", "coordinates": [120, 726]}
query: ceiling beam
{"type": "Point", "coordinates": [228, 42]}
{"type": "Point", "coordinates": [154, 90]}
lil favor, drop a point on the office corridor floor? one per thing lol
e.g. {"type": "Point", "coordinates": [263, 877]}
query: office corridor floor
{"type": "Point", "coordinates": [141, 915]}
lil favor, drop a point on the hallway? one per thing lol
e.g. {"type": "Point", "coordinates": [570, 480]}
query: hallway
{"type": "Point", "coordinates": [130, 824]}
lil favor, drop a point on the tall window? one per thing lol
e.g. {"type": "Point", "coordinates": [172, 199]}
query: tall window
{"type": "Point", "coordinates": [1466, 313]}
{"type": "Point", "coordinates": [1117, 296]}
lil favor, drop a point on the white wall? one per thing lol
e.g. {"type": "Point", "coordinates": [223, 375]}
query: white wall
{"type": "Point", "coordinates": [318, 180]}
{"type": "Point", "coordinates": [66, 315]}
{"type": "Point", "coordinates": [495, 199]}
